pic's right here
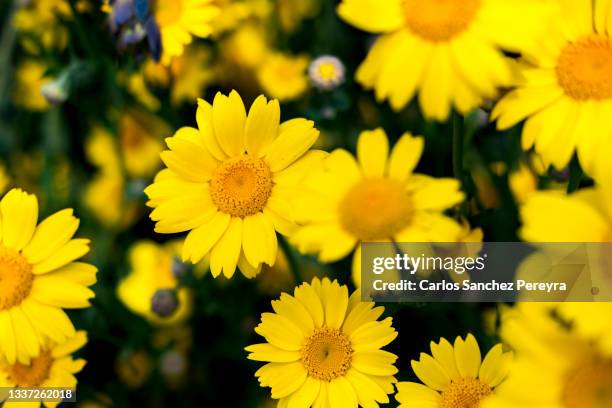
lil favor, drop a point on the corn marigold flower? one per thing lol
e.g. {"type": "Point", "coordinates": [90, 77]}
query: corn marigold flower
{"type": "Point", "coordinates": [374, 198]}
{"type": "Point", "coordinates": [283, 76]}
{"type": "Point", "coordinates": [38, 276]}
{"type": "Point", "coordinates": [181, 20]}
{"type": "Point", "coordinates": [455, 376]}
{"type": "Point", "coordinates": [151, 288]}
{"type": "Point", "coordinates": [326, 72]}
{"type": "Point", "coordinates": [450, 51]}
{"type": "Point", "coordinates": [323, 349]}
{"type": "Point", "coordinates": [54, 367]}
{"type": "Point", "coordinates": [232, 183]}
{"type": "Point", "coordinates": [583, 216]}
{"type": "Point", "coordinates": [566, 92]}
{"type": "Point", "coordinates": [554, 366]}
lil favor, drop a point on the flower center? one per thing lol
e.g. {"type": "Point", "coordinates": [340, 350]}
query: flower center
{"type": "Point", "coordinates": [327, 71]}
{"type": "Point", "coordinates": [241, 186]}
{"type": "Point", "coordinates": [589, 386]}
{"type": "Point", "coordinates": [327, 354]}
{"type": "Point", "coordinates": [375, 209]}
{"type": "Point", "coordinates": [439, 20]}
{"type": "Point", "coordinates": [33, 374]}
{"type": "Point", "coordinates": [464, 393]}
{"type": "Point", "coordinates": [15, 278]}
{"type": "Point", "coordinates": [584, 68]}
{"type": "Point", "coordinates": [168, 12]}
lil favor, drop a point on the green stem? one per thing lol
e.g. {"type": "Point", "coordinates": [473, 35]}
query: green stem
{"type": "Point", "coordinates": [292, 260]}
{"type": "Point", "coordinates": [458, 135]}
{"type": "Point", "coordinates": [575, 175]}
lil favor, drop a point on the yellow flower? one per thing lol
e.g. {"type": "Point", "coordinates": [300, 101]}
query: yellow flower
{"type": "Point", "coordinates": [42, 21]}
{"type": "Point", "coordinates": [29, 79]}
{"type": "Point", "coordinates": [232, 182]}
{"type": "Point", "coordinates": [291, 13]}
{"type": "Point", "coordinates": [283, 76]}
{"type": "Point", "coordinates": [522, 182]}
{"type": "Point", "coordinates": [187, 76]}
{"type": "Point", "coordinates": [374, 198]}
{"type": "Point", "coordinates": [38, 276]}
{"type": "Point", "coordinates": [323, 349]}
{"type": "Point", "coordinates": [54, 367]}
{"type": "Point", "coordinates": [555, 367]}
{"type": "Point", "coordinates": [592, 321]}
{"type": "Point", "coordinates": [234, 14]}
{"type": "Point", "coordinates": [140, 136]}
{"type": "Point", "coordinates": [455, 376]}
{"type": "Point", "coordinates": [246, 47]}
{"type": "Point", "coordinates": [179, 21]}
{"type": "Point", "coordinates": [566, 92]}
{"type": "Point", "coordinates": [104, 194]}
{"type": "Point", "coordinates": [448, 50]}
{"type": "Point", "coordinates": [152, 268]}
{"type": "Point", "coordinates": [583, 216]}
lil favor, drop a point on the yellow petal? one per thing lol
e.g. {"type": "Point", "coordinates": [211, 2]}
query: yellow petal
{"type": "Point", "coordinates": [270, 353]}
{"type": "Point", "coordinates": [229, 118]}
{"type": "Point", "coordinates": [224, 255]}
{"type": "Point", "coordinates": [19, 215]}
{"type": "Point", "coordinates": [405, 156]}
{"type": "Point", "coordinates": [342, 394]}
{"type": "Point", "coordinates": [71, 251]}
{"type": "Point", "coordinates": [207, 134]}
{"type": "Point", "coordinates": [262, 125]}
{"type": "Point", "coordinates": [372, 15]}
{"type": "Point", "coordinates": [372, 152]}
{"type": "Point", "coordinates": [200, 240]}
{"type": "Point", "coordinates": [305, 396]}
{"type": "Point", "coordinates": [467, 356]}
{"type": "Point", "coordinates": [296, 136]}
{"type": "Point", "coordinates": [50, 235]}
{"type": "Point", "coordinates": [431, 372]}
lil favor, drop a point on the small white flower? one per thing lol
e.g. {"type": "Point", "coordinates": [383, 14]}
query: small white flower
{"type": "Point", "coordinates": [326, 72]}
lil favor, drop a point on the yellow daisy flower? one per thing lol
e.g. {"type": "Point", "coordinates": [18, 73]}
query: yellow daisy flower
{"type": "Point", "coordinates": [583, 216]}
{"type": "Point", "coordinates": [455, 376]}
{"type": "Point", "coordinates": [555, 367]}
{"type": "Point", "coordinates": [448, 50]}
{"type": "Point", "coordinates": [566, 92]}
{"type": "Point", "coordinates": [180, 20]}
{"type": "Point", "coordinates": [232, 182]}
{"type": "Point", "coordinates": [592, 321]}
{"type": "Point", "coordinates": [140, 140]}
{"type": "Point", "coordinates": [323, 349]}
{"type": "Point", "coordinates": [283, 76]}
{"type": "Point", "coordinates": [38, 276]}
{"type": "Point", "coordinates": [54, 367]}
{"type": "Point", "coordinates": [374, 198]}
{"type": "Point", "coordinates": [153, 269]}
{"type": "Point", "coordinates": [29, 79]}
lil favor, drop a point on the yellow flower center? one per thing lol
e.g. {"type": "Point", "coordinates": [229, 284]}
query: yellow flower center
{"type": "Point", "coordinates": [439, 20]}
{"type": "Point", "coordinates": [375, 209]}
{"type": "Point", "coordinates": [168, 12]}
{"type": "Point", "coordinates": [327, 71]}
{"type": "Point", "coordinates": [584, 68]}
{"type": "Point", "coordinates": [589, 386]}
{"type": "Point", "coordinates": [15, 278]}
{"type": "Point", "coordinates": [33, 374]}
{"type": "Point", "coordinates": [327, 354]}
{"type": "Point", "coordinates": [241, 186]}
{"type": "Point", "coordinates": [464, 393]}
